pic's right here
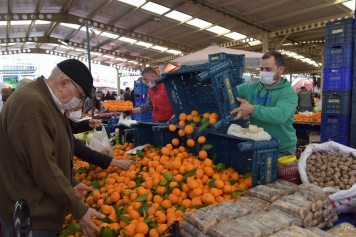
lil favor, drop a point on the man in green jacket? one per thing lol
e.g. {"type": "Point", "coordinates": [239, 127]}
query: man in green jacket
{"type": "Point", "coordinates": [36, 155]}
{"type": "Point", "coordinates": [271, 102]}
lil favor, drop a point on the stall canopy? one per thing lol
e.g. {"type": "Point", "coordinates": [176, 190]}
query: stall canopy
{"type": "Point", "coordinates": [299, 82]}
{"type": "Point", "coordinates": [252, 59]}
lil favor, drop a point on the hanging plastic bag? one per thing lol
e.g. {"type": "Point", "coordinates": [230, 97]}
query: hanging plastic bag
{"type": "Point", "coordinates": [100, 142]}
{"type": "Point", "coordinates": [343, 201]}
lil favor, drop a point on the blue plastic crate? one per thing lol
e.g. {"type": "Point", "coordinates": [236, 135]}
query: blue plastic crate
{"type": "Point", "coordinates": [140, 100]}
{"type": "Point", "coordinates": [146, 117]}
{"type": "Point", "coordinates": [338, 55]}
{"type": "Point", "coordinates": [142, 133]}
{"type": "Point", "coordinates": [338, 102]}
{"type": "Point", "coordinates": [339, 31]}
{"type": "Point", "coordinates": [238, 60]}
{"type": "Point", "coordinates": [337, 125]}
{"type": "Point", "coordinates": [205, 88]}
{"type": "Point", "coordinates": [342, 140]}
{"type": "Point", "coordinates": [337, 78]}
{"type": "Point", "coordinates": [246, 156]}
{"type": "Point", "coordinates": [140, 88]}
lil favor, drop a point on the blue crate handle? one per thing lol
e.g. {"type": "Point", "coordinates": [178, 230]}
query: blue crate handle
{"type": "Point", "coordinates": [130, 131]}
{"type": "Point", "coordinates": [160, 128]}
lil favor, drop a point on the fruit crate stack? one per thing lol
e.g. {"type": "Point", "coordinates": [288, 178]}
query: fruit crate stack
{"type": "Point", "coordinates": [337, 85]}
{"type": "Point", "coordinates": [353, 96]}
{"type": "Point", "coordinates": [140, 94]}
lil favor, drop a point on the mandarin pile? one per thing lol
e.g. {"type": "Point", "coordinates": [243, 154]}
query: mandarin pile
{"type": "Point", "coordinates": [163, 184]}
{"type": "Point", "coordinates": [117, 105]}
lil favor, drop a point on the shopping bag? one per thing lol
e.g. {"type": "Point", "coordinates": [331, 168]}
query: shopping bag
{"type": "Point", "coordinates": [100, 142]}
{"type": "Point", "coordinates": [343, 201]}
{"type": "Point", "coordinates": [126, 120]}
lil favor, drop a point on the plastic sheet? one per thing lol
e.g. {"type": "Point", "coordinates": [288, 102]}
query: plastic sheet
{"type": "Point", "coordinates": [235, 228]}
{"type": "Point", "coordinates": [295, 232]}
{"type": "Point", "coordinates": [293, 220]}
{"type": "Point", "coordinates": [291, 209]}
{"type": "Point", "coordinates": [320, 232]}
{"type": "Point", "coordinates": [311, 192]}
{"type": "Point", "coordinates": [192, 230]}
{"type": "Point", "coordinates": [343, 230]}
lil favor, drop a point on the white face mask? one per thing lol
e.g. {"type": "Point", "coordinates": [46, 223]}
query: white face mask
{"type": "Point", "coordinates": [72, 103]}
{"type": "Point", "coordinates": [267, 78]}
{"type": "Point", "coordinates": [150, 84]}
{"type": "Point", "coordinates": [98, 98]}
{"type": "Point", "coordinates": [76, 115]}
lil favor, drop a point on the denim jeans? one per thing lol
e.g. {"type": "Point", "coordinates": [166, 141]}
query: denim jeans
{"type": "Point", "coordinates": [287, 153]}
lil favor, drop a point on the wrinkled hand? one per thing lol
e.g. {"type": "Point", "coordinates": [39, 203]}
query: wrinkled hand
{"type": "Point", "coordinates": [87, 223]}
{"type": "Point", "coordinates": [80, 188]}
{"type": "Point", "coordinates": [243, 110]}
{"type": "Point", "coordinates": [94, 123]}
{"type": "Point", "coordinates": [123, 164]}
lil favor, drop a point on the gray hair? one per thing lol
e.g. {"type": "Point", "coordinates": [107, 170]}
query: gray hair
{"type": "Point", "coordinates": [22, 82]}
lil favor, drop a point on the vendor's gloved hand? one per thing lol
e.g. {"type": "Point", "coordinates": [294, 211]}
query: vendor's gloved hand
{"type": "Point", "coordinates": [128, 112]}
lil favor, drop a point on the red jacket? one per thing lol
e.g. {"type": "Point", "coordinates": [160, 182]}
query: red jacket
{"type": "Point", "coordinates": [162, 110]}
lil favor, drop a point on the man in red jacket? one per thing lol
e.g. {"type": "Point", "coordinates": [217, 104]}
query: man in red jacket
{"type": "Point", "coordinates": [157, 101]}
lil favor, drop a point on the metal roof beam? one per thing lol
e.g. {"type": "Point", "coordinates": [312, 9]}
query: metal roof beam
{"type": "Point", "coordinates": [228, 3]}
{"type": "Point", "coordinates": [307, 26]}
{"type": "Point", "coordinates": [30, 27]}
{"type": "Point", "coordinates": [68, 18]}
{"type": "Point", "coordinates": [232, 14]}
{"type": "Point", "coordinates": [117, 20]}
{"type": "Point", "coordinates": [306, 10]}
{"type": "Point", "coordinates": [266, 7]}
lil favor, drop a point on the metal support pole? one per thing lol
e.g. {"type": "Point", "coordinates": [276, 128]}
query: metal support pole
{"type": "Point", "coordinates": [265, 42]}
{"type": "Point", "coordinates": [89, 64]}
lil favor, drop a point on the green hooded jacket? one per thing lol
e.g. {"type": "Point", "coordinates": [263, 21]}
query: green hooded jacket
{"type": "Point", "coordinates": [274, 110]}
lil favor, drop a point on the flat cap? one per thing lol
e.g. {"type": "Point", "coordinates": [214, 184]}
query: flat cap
{"type": "Point", "coordinates": [79, 73]}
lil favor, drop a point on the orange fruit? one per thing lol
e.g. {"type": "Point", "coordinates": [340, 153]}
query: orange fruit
{"type": "Point", "coordinates": [203, 154]}
{"type": "Point", "coordinates": [151, 211]}
{"type": "Point", "coordinates": [130, 230]}
{"type": "Point", "coordinates": [248, 182]}
{"type": "Point", "coordinates": [134, 215]}
{"type": "Point", "coordinates": [157, 199]}
{"type": "Point", "coordinates": [219, 183]}
{"type": "Point", "coordinates": [165, 151]}
{"type": "Point", "coordinates": [212, 121]}
{"type": "Point", "coordinates": [161, 228]}
{"type": "Point", "coordinates": [196, 119]}
{"type": "Point", "coordinates": [181, 124]}
{"type": "Point", "coordinates": [201, 139]}
{"type": "Point", "coordinates": [172, 127]}
{"type": "Point", "coordinates": [106, 209]}
{"type": "Point", "coordinates": [206, 115]}
{"type": "Point", "coordinates": [243, 186]}
{"type": "Point", "coordinates": [189, 129]}
{"type": "Point", "coordinates": [166, 204]}
{"type": "Point", "coordinates": [213, 115]}
{"type": "Point", "coordinates": [183, 117]}
{"type": "Point", "coordinates": [192, 184]}
{"type": "Point", "coordinates": [175, 141]}
{"type": "Point", "coordinates": [153, 233]}
{"type": "Point", "coordinates": [189, 117]}
{"type": "Point", "coordinates": [207, 197]}
{"type": "Point", "coordinates": [173, 198]}
{"type": "Point", "coordinates": [227, 188]}
{"type": "Point", "coordinates": [187, 203]}
{"type": "Point", "coordinates": [142, 228]}
{"type": "Point", "coordinates": [214, 192]}
{"type": "Point", "coordinates": [181, 132]}
{"type": "Point", "coordinates": [190, 142]}
{"type": "Point", "coordinates": [194, 113]}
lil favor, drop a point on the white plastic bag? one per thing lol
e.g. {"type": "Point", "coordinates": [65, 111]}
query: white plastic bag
{"type": "Point", "coordinates": [343, 201]}
{"type": "Point", "coordinates": [237, 131]}
{"type": "Point", "coordinates": [126, 120]}
{"type": "Point", "coordinates": [100, 142]}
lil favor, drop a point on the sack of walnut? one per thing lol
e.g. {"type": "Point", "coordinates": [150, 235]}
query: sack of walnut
{"type": "Point", "coordinates": [331, 166]}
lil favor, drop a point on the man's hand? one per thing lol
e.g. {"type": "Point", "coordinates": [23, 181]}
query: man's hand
{"type": "Point", "coordinates": [80, 188]}
{"type": "Point", "coordinates": [123, 164]}
{"type": "Point", "coordinates": [94, 123]}
{"type": "Point", "coordinates": [96, 111]}
{"type": "Point", "coordinates": [87, 223]}
{"type": "Point", "coordinates": [244, 110]}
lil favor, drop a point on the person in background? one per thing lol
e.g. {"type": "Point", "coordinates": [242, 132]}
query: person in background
{"type": "Point", "coordinates": [270, 103]}
{"type": "Point", "coordinates": [108, 96]}
{"type": "Point", "coordinates": [5, 92]}
{"type": "Point", "coordinates": [114, 95]}
{"type": "Point", "coordinates": [157, 100]}
{"type": "Point", "coordinates": [97, 103]}
{"type": "Point", "coordinates": [22, 82]}
{"type": "Point", "coordinates": [37, 138]}
{"type": "Point", "coordinates": [80, 150]}
{"type": "Point", "coordinates": [127, 94]}
{"type": "Point", "coordinates": [305, 100]}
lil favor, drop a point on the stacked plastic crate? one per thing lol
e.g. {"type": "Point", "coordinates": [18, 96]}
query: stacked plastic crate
{"type": "Point", "coordinates": [337, 85]}
{"type": "Point", "coordinates": [353, 96]}
{"type": "Point", "coordinates": [140, 94]}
